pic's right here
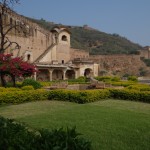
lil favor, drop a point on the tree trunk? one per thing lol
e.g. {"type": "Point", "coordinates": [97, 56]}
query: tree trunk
{"type": "Point", "coordinates": [3, 82]}
{"type": "Point", "coordinates": [13, 80]}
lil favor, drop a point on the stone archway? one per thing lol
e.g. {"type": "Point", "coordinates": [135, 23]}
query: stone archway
{"type": "Point", "coordinates": [70, 74]}
{"type": "Point", "coordinates": [88, 72]}
{"type": "Point", "coordinates": [43, 75]}
{"type": "Point", "coordinates": [57, 74]}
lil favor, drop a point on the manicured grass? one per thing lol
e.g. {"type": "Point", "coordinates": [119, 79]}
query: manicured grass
{"type": "Point", "coordinates": [109, 124]}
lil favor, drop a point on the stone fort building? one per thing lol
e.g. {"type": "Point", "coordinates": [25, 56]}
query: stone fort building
{"type": "Point", "coordinates": [51, 52]}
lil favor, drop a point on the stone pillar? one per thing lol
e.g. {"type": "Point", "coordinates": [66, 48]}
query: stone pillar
{"type": "Point", "coordinates": [64, 74]}
{"type": "Point", "coordinates": [50, 74]}
{"type": "Point", "coordinates": [76, 74]}
{"type": "Point", "coordinates": [35, 74]}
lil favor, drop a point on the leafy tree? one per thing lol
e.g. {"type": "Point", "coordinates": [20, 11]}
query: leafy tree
{"type": "Point", "coordinates": [15, 67]}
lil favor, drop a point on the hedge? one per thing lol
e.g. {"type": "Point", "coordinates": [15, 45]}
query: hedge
{"type": "Point", "coordinates": [122, 83]}
{"type": "Point", "coordinates": [78, 96]}
{"type": "Point", "coordinates": [81, 97]}
{"type": "Point", "coordinates": [133, 95]}
{"type": "Point", "coordinates": [10, 89]}
{"type": "Point", "coordinates": [15, 136]}
{"type": "Point", "coordinates": [16, 97]}
{"type": "Point", "coordinates": [140, 87]}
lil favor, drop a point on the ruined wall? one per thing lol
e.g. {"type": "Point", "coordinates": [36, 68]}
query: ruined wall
{"type": "Point", "coordinates": [119, 64]}
{"type": "Point", "coordinates": [145, 53]}
{"type": "Point", "coordinates": [77, 53]}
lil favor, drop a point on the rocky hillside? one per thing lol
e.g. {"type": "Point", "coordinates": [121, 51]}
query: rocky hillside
{"type": "Point", "coordinates": [94, 41]}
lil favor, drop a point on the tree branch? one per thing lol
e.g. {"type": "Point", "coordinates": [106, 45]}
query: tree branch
{"type": "Point", "coordinates": [11, 43]}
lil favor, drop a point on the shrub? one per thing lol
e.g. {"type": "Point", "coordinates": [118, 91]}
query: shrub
{"type": "Point", "coordinates": [32, 82]}
{"type": "Point", "coordinates": [14, 135]}
{"type": "Point", "coordinates": [62, 139]}
{"type": "Point", "coordinates": [17, 136]}
{"type": "Point", "coordinates": [79, 80]}
{"type": "Point", "coordinates": [45, 83]}
{"type": "Point", "coordinates": [115, 79]}
{"type": "Point", "coordinates": [103, 78]}
{"type": "Point", "coordinates": [19, 84]}
{"type": "Point", "coordinates": [132, 78]}
{"type": "Point", "coordinates": [29, 87]}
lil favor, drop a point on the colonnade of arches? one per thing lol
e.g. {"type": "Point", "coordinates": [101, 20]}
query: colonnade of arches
{"type": "Point", "coordinates": [55, 74]}
{"type": "Point", "coordinates": [60, 74]}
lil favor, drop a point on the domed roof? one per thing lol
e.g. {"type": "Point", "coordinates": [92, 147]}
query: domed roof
{"type": "Point", "coordinates": [59, 29]}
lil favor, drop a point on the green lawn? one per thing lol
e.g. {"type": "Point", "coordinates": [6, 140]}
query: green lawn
{"type": "Point", "coordinates": [109, 124]}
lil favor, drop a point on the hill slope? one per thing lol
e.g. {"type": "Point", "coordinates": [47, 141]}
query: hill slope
{"type": "Point", "coordinates": [94, 41]}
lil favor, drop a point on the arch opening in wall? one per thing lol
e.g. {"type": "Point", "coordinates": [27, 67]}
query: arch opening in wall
{"type": "Point", "coordinates": [64, 38]}
{"type": "Point", "coordinates": [70, 74]}
{"type": "Point", "coordinates": [88, 72]}
{"type": "Point", "coordinates": [57, 74]}
{"type": "Point", "coordinates": [43, 75]}
{"type": "Point", "coordinates": [28, 58]}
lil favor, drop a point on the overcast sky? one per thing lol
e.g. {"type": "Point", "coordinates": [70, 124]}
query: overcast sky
{"type": "Point", "coordinates": [128, 18]}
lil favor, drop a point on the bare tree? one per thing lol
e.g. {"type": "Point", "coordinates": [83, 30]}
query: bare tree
{"type": "Point", "coordinates": [6, 27]}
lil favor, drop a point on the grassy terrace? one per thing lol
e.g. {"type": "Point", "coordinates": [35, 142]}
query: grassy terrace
{"type": "Point", "coordinates": [109, 124]}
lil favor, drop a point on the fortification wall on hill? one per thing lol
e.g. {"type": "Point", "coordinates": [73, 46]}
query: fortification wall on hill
{"type": "Point", "coordinates": [120, 64]}
{"type": "Point", "coordinates": [78, 53]}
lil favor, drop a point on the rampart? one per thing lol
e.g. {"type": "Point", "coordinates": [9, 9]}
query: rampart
{"type": "Point", "coordinates": [120, 64]}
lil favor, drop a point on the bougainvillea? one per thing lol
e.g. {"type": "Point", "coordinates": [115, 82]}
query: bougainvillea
{"type": "Point", "coordinates": [15, 67]}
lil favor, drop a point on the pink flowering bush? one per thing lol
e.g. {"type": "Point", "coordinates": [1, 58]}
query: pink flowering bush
{"type": "Point", "coordinates": [15, 67]}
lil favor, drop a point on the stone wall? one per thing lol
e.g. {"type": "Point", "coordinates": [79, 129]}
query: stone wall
{"type": "Point", "coordinates": [145, 53]}
{"type": "Point", "coordinates": [78, 53]}
{"type": "Point", "coordinates": [36, 45]}
{"type": "Point", "coordinates": [119, 64]}
{"type": "Point", "coordinates": [33, 39]}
